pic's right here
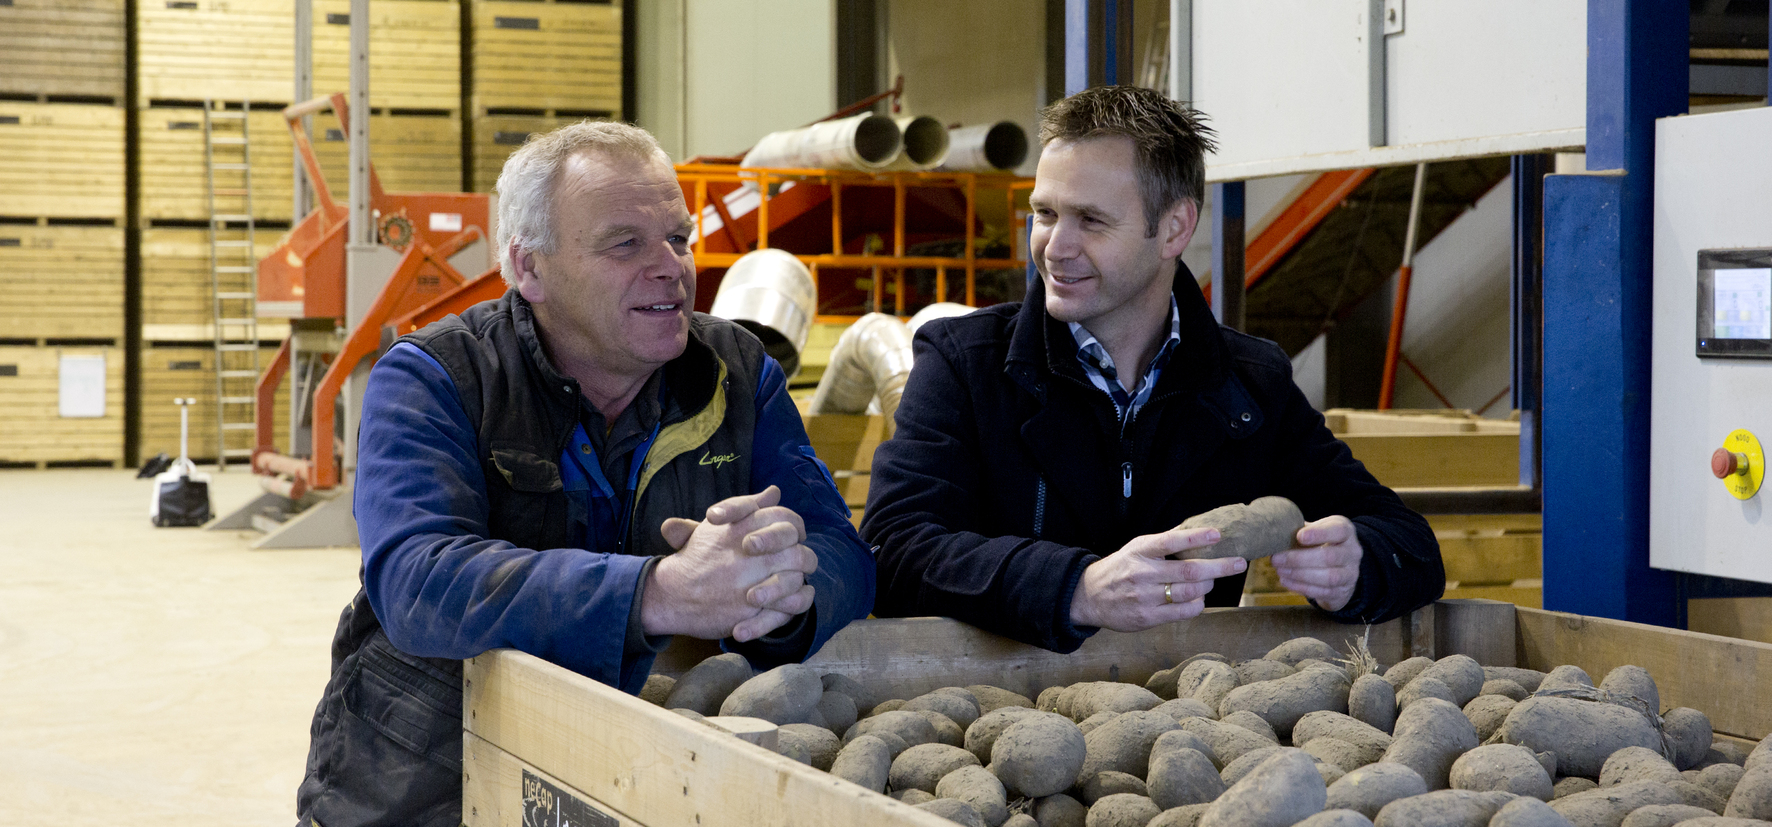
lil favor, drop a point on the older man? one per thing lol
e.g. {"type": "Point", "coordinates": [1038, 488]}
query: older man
{"type": "Point", "coordinates": [578, 470]}
{"type": "Point", "coordinates": [1047, 451]}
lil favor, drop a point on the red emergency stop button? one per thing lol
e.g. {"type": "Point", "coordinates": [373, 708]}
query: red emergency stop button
{"type": "Point", "coordinates": [1725, 463]}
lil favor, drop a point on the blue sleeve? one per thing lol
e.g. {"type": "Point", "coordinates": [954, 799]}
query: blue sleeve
{"type": "Point", "coordinates": [781, 455]}
{"type": "Point", "coordinates": [440, 586]}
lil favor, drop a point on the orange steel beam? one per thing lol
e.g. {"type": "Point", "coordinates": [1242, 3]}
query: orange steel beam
{"type": "Point", "coordinates": [1299, 219]}
{"type": "Point", "coordinates": [265, 412]}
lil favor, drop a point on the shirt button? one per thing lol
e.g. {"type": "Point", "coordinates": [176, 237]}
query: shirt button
{"type": "Point", "coordinates": [584, 448]}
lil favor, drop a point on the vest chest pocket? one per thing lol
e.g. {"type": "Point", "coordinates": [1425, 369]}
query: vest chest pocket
{"type": "Point", "coordinates": [526, 472]}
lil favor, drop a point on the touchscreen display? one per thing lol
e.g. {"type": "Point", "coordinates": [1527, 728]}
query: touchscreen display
{"type": "Point", "coordinates": [1742, 304]}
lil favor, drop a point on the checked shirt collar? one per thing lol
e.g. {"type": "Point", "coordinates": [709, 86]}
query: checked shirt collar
{"type": "Point", "coordinates": [1099, 366]}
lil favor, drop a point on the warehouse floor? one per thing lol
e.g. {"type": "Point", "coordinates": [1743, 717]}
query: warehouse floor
{"type": "Point", "coordinates": [153, 676]}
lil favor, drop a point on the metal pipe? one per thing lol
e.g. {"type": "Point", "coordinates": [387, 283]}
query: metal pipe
{"type": "Point", "coordinates": [925, 144]}
{"type": "Point", "coordinates": [871, 361]}
{"type": "Point", "coordinates": [1400, 308]}
{"type": "Point", "coordinates": [988, 148]}
{"type": "Point", "coordinates": [938, 310]}
{"type": "Point", "coordinates": [770, 293]}
{"type": "Point", "coordinates": [865, 142]}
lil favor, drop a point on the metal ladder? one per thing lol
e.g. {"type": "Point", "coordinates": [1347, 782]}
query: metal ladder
{"type": "Point", "coordinates": [227, 157]}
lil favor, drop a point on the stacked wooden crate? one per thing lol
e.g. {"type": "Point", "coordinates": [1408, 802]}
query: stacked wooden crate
{"type": "Point", "coordinates": [61, 231]}
{"type": "Point", "coordinates": [226, 50]}
{"type": "Point", "coordinates": [170, 370]}
{"type": "Point", "coordinates": [176, 286]}
{"type": "Point", "coordinates": [536, 66]}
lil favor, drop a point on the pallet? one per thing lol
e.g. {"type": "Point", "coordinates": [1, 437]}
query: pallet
{"type": "Point", "coordinates": [176, 288]}
{"type": "Point", "coordinates": [173, 180]}
{"type": "Point", "coordinates": [536, 733]}
{"type": "Point", "coordinates": [546, 56]}
{"type": "Point", "coordinates": [57, 48]}
{"type": "Point", "coordinates": [414, 53]}
{"type": "Point", "coordinates": [61, 282]}
{"type": "Point", "coordinates": [170, 370]}
{"type": "Point", "coordinates": [32, 429]}
{"type": "Point", "coordinates": [1489, 556]}
{"type": "Point", "coordinates": [497, 136]}
{"type": "Point", "coordinates": [221, 49]}
{"type": "Point", "coordinates": [61, 159]}
{"type": "Point", "coordinates": [845, 443]}
{"type": "Point", "coordinates": [411, 153]}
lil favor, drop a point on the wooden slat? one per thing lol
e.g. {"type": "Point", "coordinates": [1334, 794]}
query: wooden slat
{"type": "Point", "coordinates": [494, 793]}
{"type": "Point", "coordinates": [31, 426]}
{"type": "Point", "coordinates": [1748, 618]}
{"type": "Point", "coordinates": [61, 282]}
{"type": "Point", "coordinates": [1473, 558]}
{"type": "Point", "coordinates": [1439, 460]}
{"type": "Point", "coordinates": [61, 160]}
{"type": "Point", "coordinates": [173, 173]}
{"type": "Point", "coordinates": [187, 369]}
{"type": "Point", "coordinates": [411, 153]}
{"type": "Point", "coordinates": [570, 59]}
{"type": "Point", "coordinates": [176, 286]}
{"type": "Point", "coordinates": [1721, 677]}
{"type": "Point", "coordinates": [497, 136]}
{"type": "Point", "coordinates": [62, 47]}
{"type": "Point", "coordinates": [221, 49]}
{"type": "Point", "coordinates": [415, 59]}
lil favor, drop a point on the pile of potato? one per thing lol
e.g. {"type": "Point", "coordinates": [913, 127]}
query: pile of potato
{"type": "Point", "coordinates": [1303, 736]}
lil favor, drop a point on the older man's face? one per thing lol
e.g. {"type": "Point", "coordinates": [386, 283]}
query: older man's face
{"type": "Point", "coordinates": [620, 286]}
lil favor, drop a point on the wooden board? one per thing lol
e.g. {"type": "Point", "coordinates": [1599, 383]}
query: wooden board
{"type": "Point", "coordinates": [497, 136]}
{"type": "Point", "coordinates": [1439, 460]}
{"type": "Point", "coordinates": [1748, 618]}
{"type": "Point", "coordinates": [176, 286]}
{"type": "Point", "coordinates": [171, 370]}
{"type": "Point", "coordinates": [61, 160]}
{"type": "Point", "coordinates": [235, 50]}
{"type": "Point", "coordinates": [61, 282]}
{"type": "Point", "coordinates": [502, 786]}
{"type": "Point", "coordinates": [62, 47]}
{"type": "Point", "coordinates": [414, 53]}
{"type": "Point", "coordinates": [411, 153]}
{"type": "Point", "coordinates": [31, 426]}
{"type": "Point", "coordinates": [546, 56]}
{"type": "Point", "coordinates": [173, 183]}
{"type": "Point", "coordinates": [1724, 678]}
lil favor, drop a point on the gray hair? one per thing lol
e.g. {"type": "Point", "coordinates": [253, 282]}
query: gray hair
{"type": "Point", "coordinates": [526, 186]}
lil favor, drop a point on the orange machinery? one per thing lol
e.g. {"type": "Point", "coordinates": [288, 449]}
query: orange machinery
{"type": "Point", "coordinates": [305, 278]}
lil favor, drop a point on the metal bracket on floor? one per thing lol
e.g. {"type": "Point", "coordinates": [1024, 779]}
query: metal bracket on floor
{"type": "Point", "coordinates": [315, 520]}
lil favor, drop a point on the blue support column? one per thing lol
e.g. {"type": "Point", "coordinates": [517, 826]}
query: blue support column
{"type": "Point", "coordinates": [1227, 252]}
{"type": "Point", "coordinates": [1097, 43]}
{"type": "Point", "coordinates": [1597, 287]}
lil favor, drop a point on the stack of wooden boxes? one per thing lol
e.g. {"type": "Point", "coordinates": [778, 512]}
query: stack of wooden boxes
{"type": "Point", "coordinates": [62, 78]}
{"type": "Point", "coordinates": [535, 66]}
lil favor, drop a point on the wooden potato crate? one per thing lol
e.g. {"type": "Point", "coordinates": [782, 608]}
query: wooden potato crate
{"type": "Point", "coordinates": [546, 55]}
{"type": "Point", "coordinates": [191, 50]}
{"type": "Point", "coordinates": [171, 370]}
{"type": "Point", "coordinates": [62, 160]}
{"type": "Point", "coordinates": [497, 136]}
{"type": "Point", "coordinates": [173, 174]}
{"type": "Point", "coordinates": [845, 443]}
{"type": "Point", "coordinates": [1431, 449]}
{"type": "Point", "coordinates": [411, 153]}
{"type": "Point", "coordinates": [32, 429]}
{"type": "Point", "coordinates": [61, 282]}
{"type": "Point", "coordinates": [176, 285]}
{"type": "Point", "coordinates": [542, 739]}
{"type": "Point", "coordinates": [1492, 556]}
{"type": "Point", "coordinates": [54, 48]}
{"type": "Point", "coordinates": [414, 54]}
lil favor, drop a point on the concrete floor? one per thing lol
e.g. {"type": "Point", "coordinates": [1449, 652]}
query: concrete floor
{"type": "Point", "coordinates": [153, 676]}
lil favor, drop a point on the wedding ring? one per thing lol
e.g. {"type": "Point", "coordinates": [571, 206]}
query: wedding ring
{"type": "Point", "coordinates": [1168, 596]}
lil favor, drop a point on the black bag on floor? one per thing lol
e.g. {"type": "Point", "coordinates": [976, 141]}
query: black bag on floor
{"type": "Point", "coordinates": [180, 500]}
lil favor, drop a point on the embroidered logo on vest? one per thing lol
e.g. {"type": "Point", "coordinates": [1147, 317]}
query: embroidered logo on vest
{"type": "Point", "coordinates": [716, 461]}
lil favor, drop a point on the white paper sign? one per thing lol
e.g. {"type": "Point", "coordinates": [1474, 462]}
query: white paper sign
{"type": "Point", "coordinates": [446, 222]}
{"type": "Point", "coordinates": [83, 386]}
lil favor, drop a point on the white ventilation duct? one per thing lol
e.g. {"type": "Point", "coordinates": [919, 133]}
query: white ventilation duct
{"type": "Point", "coordinates": [872, 360]}
{"type": "Point", "coordinates": [925, 144]}
{"type": "Point", "coordinates": [771, 294]}
{"type": "Point", "coordinates": [938, 310]}
{"type": "Point", "coordinates": [865, 142]}
{"type": "Point", "coordinates": [999, 146]}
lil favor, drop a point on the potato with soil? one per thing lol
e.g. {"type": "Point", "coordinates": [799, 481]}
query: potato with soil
{"type": "Point", "coordinates": [1302, 648]}
{"type": "Point", "coordinates": [1367, 789]}
{"type": "Point", "coordinates": [1567, 676]}
{"type": "Point", "coordinates": [1122, 810]}
{"type": "Point", "coordinates": [1583, 734]}
{"type": "Point", "coordinates": [1609, 805]}
{"type": "Point", "coordinates": [1528, 679]}
{"type": "Point", "coordinates": [1752, 797]}
{"type": "Point", "coordinates": [978, 787]}
{"type": "Point", "coordinates": [1060, 810]}
{"type": "Point", "coordinates": [1039, 755]}
{"type": "Point", "coordinates": [954, 810]}
{"type": "Point", "coordinates": [1664, 815]}
{"type": "Point", "coordinates": [1109, 783]}
{"type": "Point", "coordinates": [657, 689]}
{"type": "Point", "coordinates": [922, 766]}
{"type": "Point", "coordinates": [838, 711]}
{"type": "Point", "coordinates": [1527, 812]}
{"type": "Point", "coordinates": [946, 731]}
{"type": "Point", "coordinates": [989, 726]}
{"type": "Point", "coordinates": [1636, 764]}
{"type": "Point", "coordinates": [1265, 527]}
{"type": "Point", "coordinates": [1336, 818]}
{"type": "Point", "coordinates": [1689, 735]}
{"type": "Point", "coordinates": [1403, 672]}
{"type": "Point", "coordinates": [1373, 701]}
{"type": "Point", "coordinates": [1261, 669]}
{"type": "Point", "coordinates": [911, 727]}
{"type": "Point", "coordinates": [1182, 776]}
{"type": "Point", "coordinates": [783, 695]}
{"type": "Point", "coordinates": [1188, 816]}
{"type": "Point", "coordinates": [1369, 740]}
{"type": "Point", "coordinates": [1488, 713]}
{"type": "Point", "coordinates": [1124, 744]}
{"type": "Point", "coordinates": [1187, 708]}
{"type": "Point", "coordinates": [1501, 768]}
{"type": "Point", "coordinates": [1282, 702]}
{"type": "Point", "coordinates": [1444, 808]}
{"type": "Point", "coordinates": [822, 745]}
{"type": "Point", "coordinates": [1430, 735]}
{"type": "Point", "coordinates": [866, 761]}
{"type": "Point", "coordinates": [991, 698]}
{"type": "Point", "coordinates": [962, 710]}
{"type": "Point", "coordinates": [1207, 682]}
{"type": "Point", "coordinates": [1284, 790]}
{"type": "Point", "coordinates": [1460, 673]}
{"type": "Point", "coordinates": [1633, 682]}
{"type": "Point", "coordinates": [1254, 723]}
{"type": "Point", "coordinates": [1228, 741]}
{"type": "Point", "coordinates": [705, 686]}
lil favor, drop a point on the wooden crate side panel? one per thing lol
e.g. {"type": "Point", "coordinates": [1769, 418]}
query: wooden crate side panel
{"type": "Point", "coordinates": [61, 282]}
{"type": "Point", "coordinates": [495, 791]}
{"type": "Point", "coordinates": [411, 153]}
{"type": "Point", "coordinates": [176, 287]}
{"type": "Point", "coordinates": [31, 426]}
{"type": "Point", "coordinates": [221, 49]}
{"type": "Point", "coordinates": [415, 59]}
{"type": "Point", "coordinates": [547, 55]}
{"type": "Point", "coordinates": [61, 160]}
{"type": "Point", "coordinates": [1440, 460]}
{"type": "Point", "coordinates": [497, 136]}
{"type": "Point", "coordinates": [173, 171]}
{"type": "Point", "coordinates": [1722, 677]}
{"type": "Point", "coordinates": [169, 373]}
{"type": "Point", "coordinates": [62, 47]}
{"type": "Point", "coordinates": [1748, 618]}
{"type": "Point", "coordinates": [653, 766]}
